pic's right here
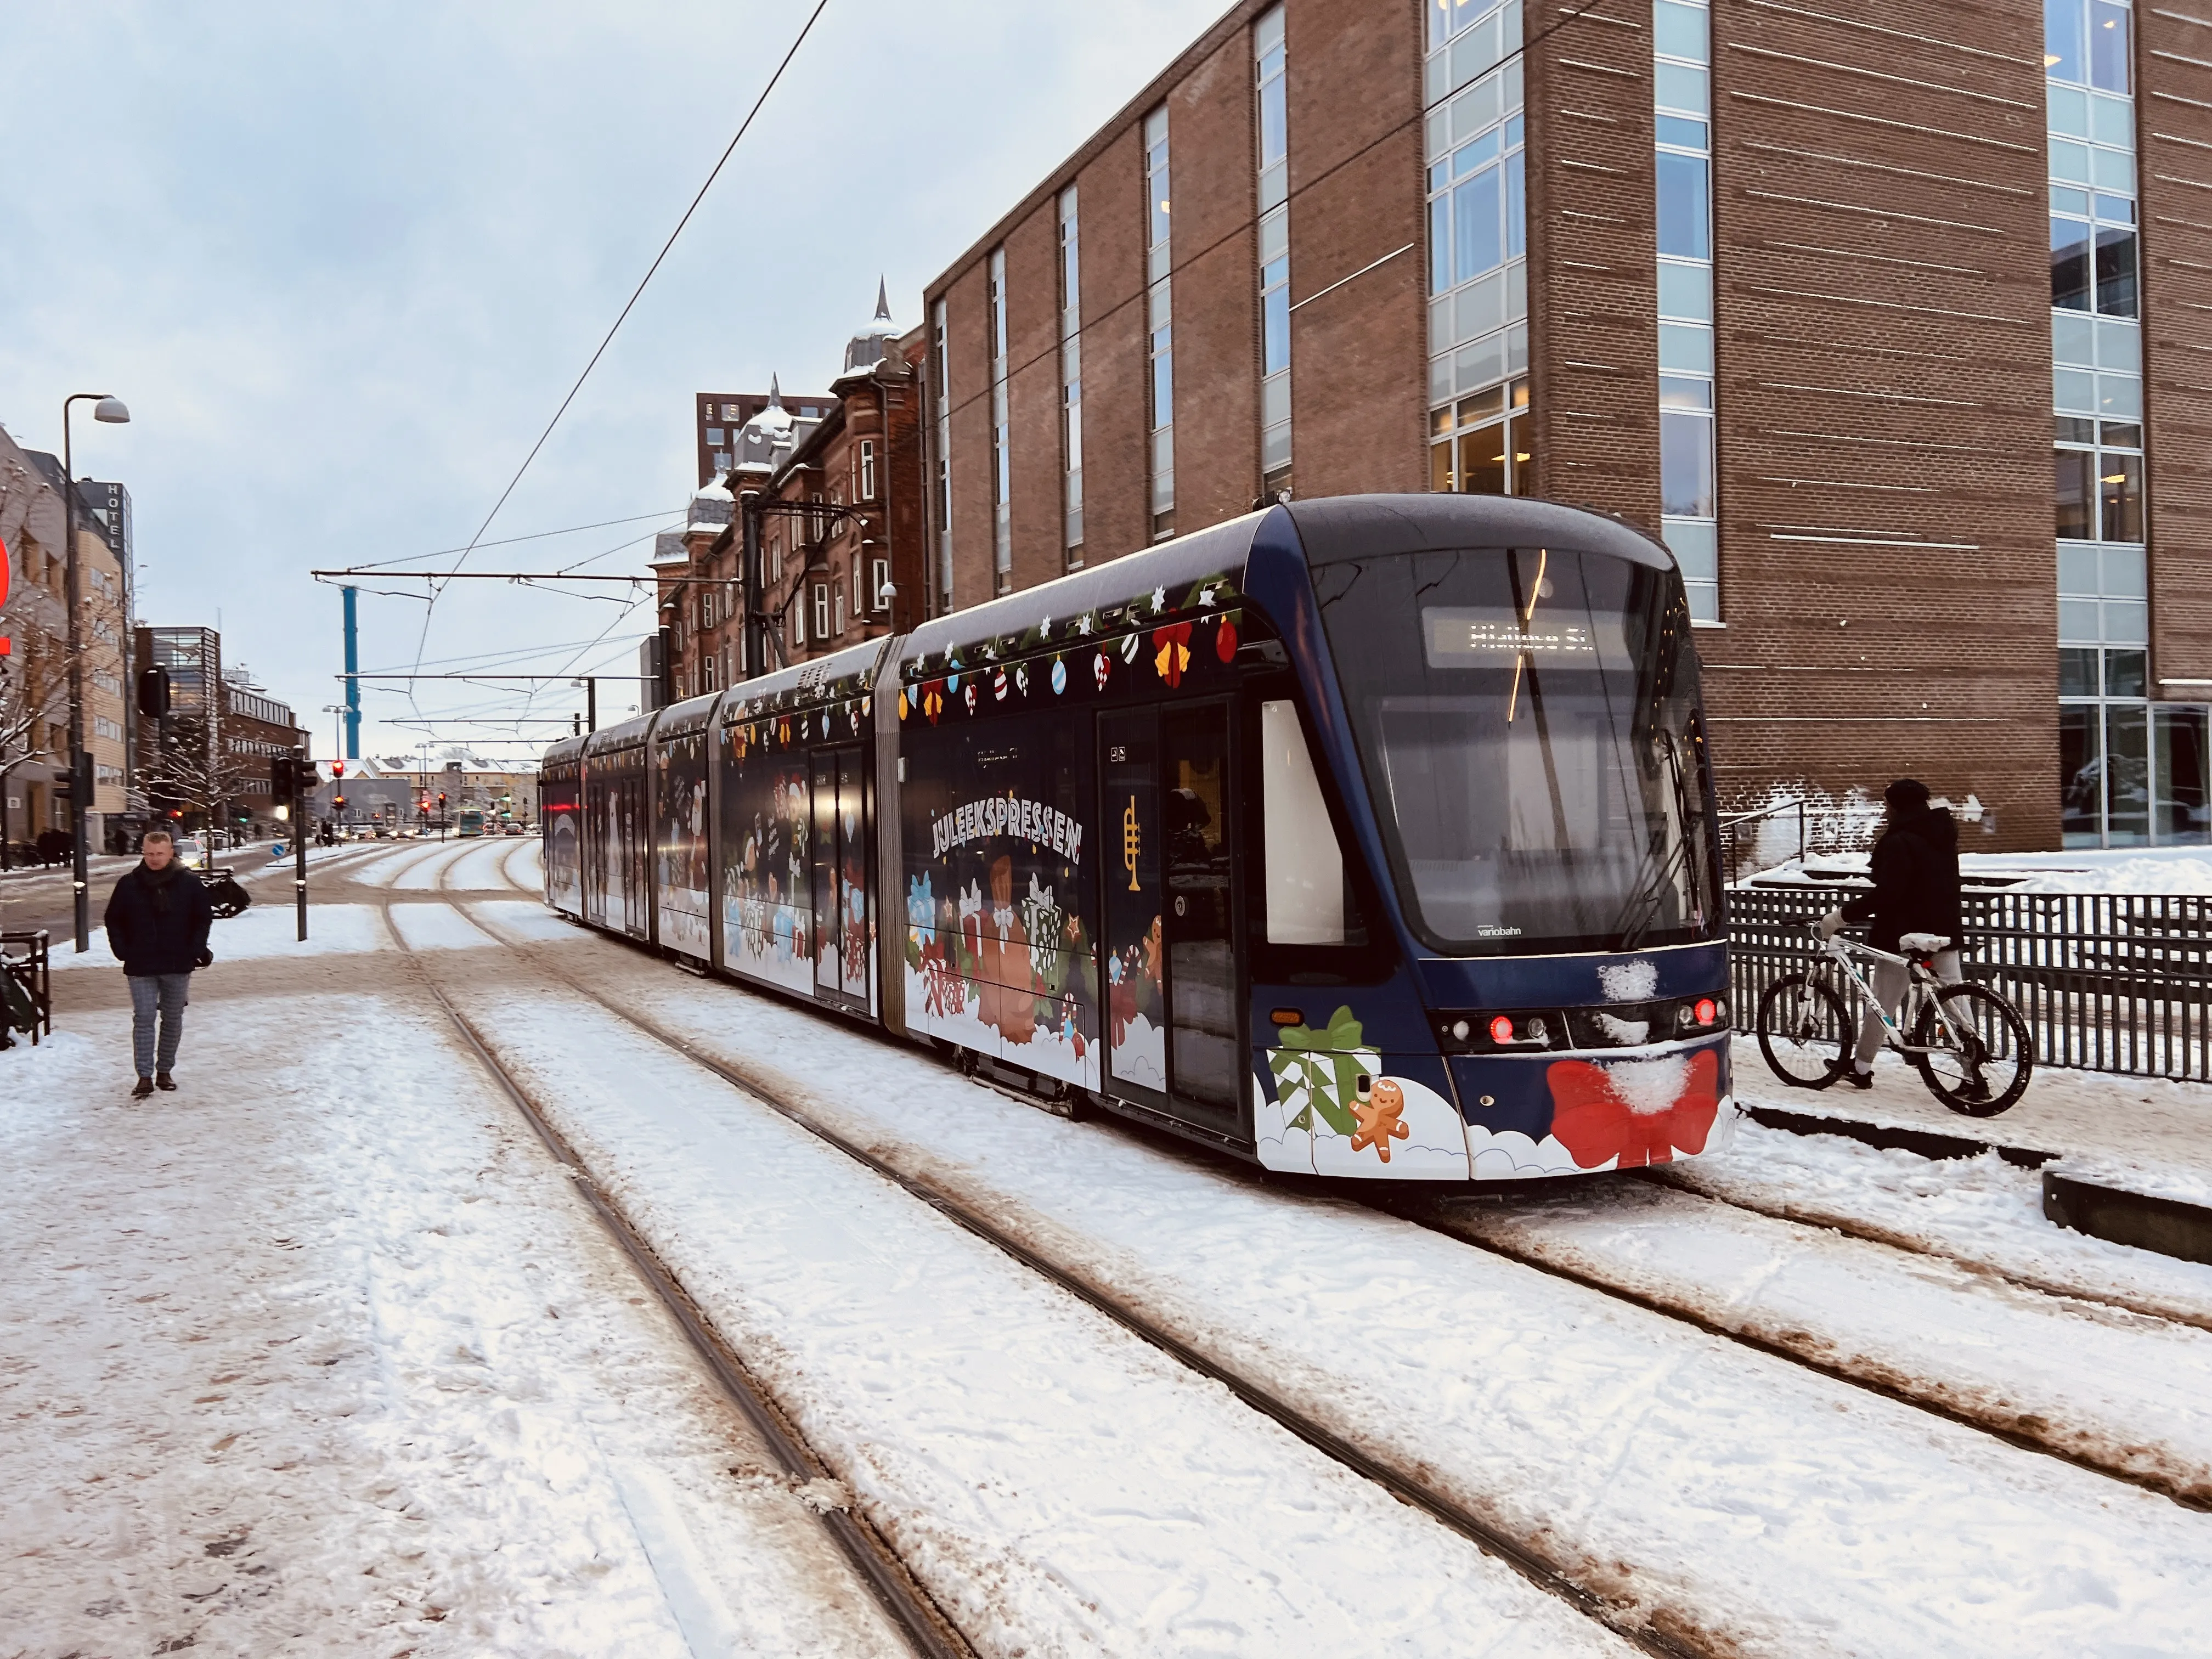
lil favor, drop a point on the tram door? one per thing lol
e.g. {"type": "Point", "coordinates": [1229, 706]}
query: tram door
{"type": "Point", "coordinates": [840, 874]}
{"type": "Point", "coordinates": [632, 853]}
{"type": "Point", "coordinates": [1171, 991]}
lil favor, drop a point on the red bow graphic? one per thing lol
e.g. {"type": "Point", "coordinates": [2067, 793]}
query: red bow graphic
{"type": "Point", "coordinates": [1594, 1123]}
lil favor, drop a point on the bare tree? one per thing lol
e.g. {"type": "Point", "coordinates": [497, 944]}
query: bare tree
{"type": "Point", "coordinates": [195, 772]}
{"type": "Point", "coordinates": [34, 706]}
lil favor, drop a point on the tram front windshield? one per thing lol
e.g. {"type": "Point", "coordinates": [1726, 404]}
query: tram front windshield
{"type": "Point", "coordinates": [1528, 722]}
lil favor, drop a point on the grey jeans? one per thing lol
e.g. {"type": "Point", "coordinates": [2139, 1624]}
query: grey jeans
{"type": "Point", "coordinates": [167, 993]}
{"type": "Point", "coordinates": [1889, 985]}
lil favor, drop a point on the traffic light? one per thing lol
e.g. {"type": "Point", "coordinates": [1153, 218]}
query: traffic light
{"type": "Point", "coordinates": [338, 768]}
{"type": "Point", "coordinates": [283, 777]}
{"type": "Point", "coordinates": [441, 801]}
{"type": "Point", "coordinates": [339, 801]}
{"type": "Point", "coordinates": [154, 692]}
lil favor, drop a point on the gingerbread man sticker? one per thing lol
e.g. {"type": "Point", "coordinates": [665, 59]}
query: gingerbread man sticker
{"type": "Point", "coordinates": [1380, 1111]}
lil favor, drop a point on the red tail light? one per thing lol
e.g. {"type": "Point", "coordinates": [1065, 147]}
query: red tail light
{"type": "Point", "coordinates": [1501, 1030]}
{"type": "Point", "coordinates": [1708, 1011]}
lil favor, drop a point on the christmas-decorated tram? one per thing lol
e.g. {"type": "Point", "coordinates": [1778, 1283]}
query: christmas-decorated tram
{"type": "Point", "coordinates": [1371, 835]}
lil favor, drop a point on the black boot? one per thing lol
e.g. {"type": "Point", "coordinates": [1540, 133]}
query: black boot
{"type": "Point", "coordinates": [1854, 1077]}
{"type": "Point", "coordinates": [164, 1081]}
{"type": "Point", "coordinates": [145, 1088]}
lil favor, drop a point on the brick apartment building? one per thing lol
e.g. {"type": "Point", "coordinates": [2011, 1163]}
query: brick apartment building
{"type": "Point", "coordinates": [840, 537]}
{"type": "Point", "coordinates": [719, 416]}
{"type": "Point", "coordinates": [1889, 317]}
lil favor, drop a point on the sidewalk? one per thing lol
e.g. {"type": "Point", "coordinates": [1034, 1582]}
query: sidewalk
{"type": "Point", "coordinates": [2146, 1135]}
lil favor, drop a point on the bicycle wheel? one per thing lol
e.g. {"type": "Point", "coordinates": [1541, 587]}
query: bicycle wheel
{"type": "Point", "coordinates": [1980, 1055]}
{"type": "Point", "coordinates": [1804, 1031]}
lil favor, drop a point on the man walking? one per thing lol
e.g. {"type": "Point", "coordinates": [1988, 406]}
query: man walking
{"type": "Point", "coordinates": [1915, 890]}
{"type": "Point", "coordinates": [157, 926]}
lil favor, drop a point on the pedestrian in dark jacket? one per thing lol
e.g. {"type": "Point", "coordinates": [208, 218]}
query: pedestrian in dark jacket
{"type": "Point", "coordinates": [157, 920]}
{"type": "Point", "coordinates": [1915, 891]}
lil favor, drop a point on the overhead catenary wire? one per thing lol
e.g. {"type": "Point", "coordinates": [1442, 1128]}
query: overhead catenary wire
{"type": "Point", "coordinates": [623, 316]}
{"type": "Point", "coordinates": [510, 541]}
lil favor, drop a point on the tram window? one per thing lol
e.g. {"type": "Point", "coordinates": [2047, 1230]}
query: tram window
{"type": "Point", "coordinates": [1304, 866]}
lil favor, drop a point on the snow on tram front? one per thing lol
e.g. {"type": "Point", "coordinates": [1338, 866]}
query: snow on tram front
{"type": "Point", "coordinates": [1369, 836]}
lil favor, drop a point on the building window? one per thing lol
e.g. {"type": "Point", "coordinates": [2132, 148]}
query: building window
{"type": "Point", "coordinates": [879, 581]}
{"type": "Point", "coordinates": [944, 394]}
{"type": "Point", "coordinates": [822, 611]}
{"type": "Point", "coordinates": [867, 471]}
{"type": "Point", "coordinates": [1273, 160]}
{"type": "Point", "coordinates": [1160, 337]}
{"type": "Point", "coordinates": [2131, 772]}
{"type": "Point", "coordinates": [840, 611]}
{"type": "Point", "coordinates": [1478, 239]}
{"type": "Point", "coordinates": [1485, 445]}
{"type": "Point", "coordinates": [798, 620]}
{"type": "Point", "coordinates": [1002, 492]}
{"type": "Point", "coordinates": [1688, 475]}
{"type": "Point", "coordinates": [1071, 379]}
{"type": "Point", "coordinates": [706, 608]}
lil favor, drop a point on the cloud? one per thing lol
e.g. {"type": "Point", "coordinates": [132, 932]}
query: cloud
{"type": "Point", "coordinates": [343, 262]}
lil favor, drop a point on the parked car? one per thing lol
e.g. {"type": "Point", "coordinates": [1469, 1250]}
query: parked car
{"type": "Point", "coordinates": [516, 827]}
{"type": "Point", "coordinates": [191, 849]}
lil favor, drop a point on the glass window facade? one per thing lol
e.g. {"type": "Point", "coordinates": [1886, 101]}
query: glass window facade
{"type": "Point", "coordinates": [1272, 159]}
{"type": "Point", "coordinates": [1071, 378]}
{"type": "Point", "coordinates": [1681, 38]}
{"type": "Point", "coordinates": [2131, 771]}
{"type": "Point", "coordinates": [1002, 465]}
{"type": "Point", "coordinates": [1159, 322]}
{"type": "Point", "coordinates": [1482, 437]}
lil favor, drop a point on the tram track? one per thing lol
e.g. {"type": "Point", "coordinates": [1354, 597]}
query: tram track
{"type": "Point", "coordinates": [1657, 1636]}
{"type": "Point", "coordinates": [902, 1599]}
{"type": "Point", "coordinates": [1829, 1218]}
{"type": "Point", "coordinates": [1802, 1347]}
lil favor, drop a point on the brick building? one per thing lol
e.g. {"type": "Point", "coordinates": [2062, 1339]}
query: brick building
{"type": "Point", "coordinates": [719, 416]}
{"type": "Point", "coordinates": [1827, 297]}
{"type": "Point", "coordinates": [209, 757]}
{"type": "Point", "coordinates": [842, 534]}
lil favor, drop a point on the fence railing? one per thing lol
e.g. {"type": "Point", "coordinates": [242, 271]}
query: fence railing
{"type": "Point", "coordinates": [2108, 981]}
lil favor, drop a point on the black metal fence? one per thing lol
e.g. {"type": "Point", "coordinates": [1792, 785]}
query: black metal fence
{"type": "Point", "coordinates": [2108, 981]}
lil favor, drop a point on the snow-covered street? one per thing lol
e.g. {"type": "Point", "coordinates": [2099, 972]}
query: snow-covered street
{"type": "Point", "coordinates": [323, 1353]}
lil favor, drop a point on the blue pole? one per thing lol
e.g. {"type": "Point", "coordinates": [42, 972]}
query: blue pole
{"type": "Point", "coordinates": [353, 680]}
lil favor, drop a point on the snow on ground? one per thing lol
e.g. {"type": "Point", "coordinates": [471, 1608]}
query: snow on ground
{"type": "Point", "coordinates": [1059, 1485]}
{"type": "Point", "coordinates": [260, 931]}
{"type": "Point", "coordinates": [1982, 1211]}
{"type": "Point", "coordinates": [321, 1355]}
{"type": "Point", "coordinates": [1743, 1498]}
{"type": "Point", "coordinates": [2088, 870]}
{"type": "Point", "coordinates": [2124, 1393]}
{"type": "Point", "coordinates": [2149, 1134]}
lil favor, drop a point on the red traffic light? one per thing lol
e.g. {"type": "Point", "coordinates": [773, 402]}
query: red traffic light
{"type": "Point", "coordinates": [338, 768]}
{"type": "Point", "coordinates": [176, 812]}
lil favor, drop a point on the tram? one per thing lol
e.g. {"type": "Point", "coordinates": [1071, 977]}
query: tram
{"type": "Point", "coordinates": [1367, 836]}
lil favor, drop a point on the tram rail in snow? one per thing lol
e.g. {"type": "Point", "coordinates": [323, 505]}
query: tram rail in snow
{"type": "Point", "coordinates": [907, 1604]}
{"type": "Point", "coordinates": [1523, 1557]}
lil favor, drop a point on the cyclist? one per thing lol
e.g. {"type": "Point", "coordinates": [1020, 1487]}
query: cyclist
{"type": "Point", "coordinates": [1915, 890]}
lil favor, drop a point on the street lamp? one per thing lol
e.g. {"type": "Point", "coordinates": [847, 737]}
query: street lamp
{"type": "Point", "coordinates": [109, 409]}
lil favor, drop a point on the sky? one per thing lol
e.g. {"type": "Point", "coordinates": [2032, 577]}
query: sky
{"type": "Point", "coordinates": [343, 262]}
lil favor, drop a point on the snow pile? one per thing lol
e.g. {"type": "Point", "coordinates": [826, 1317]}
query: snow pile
{"type": "Point", "coordinates": [2090, 869]}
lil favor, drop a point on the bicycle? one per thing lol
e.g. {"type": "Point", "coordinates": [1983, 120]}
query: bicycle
{"type": "Point", "coordinates": [1971, 1047]}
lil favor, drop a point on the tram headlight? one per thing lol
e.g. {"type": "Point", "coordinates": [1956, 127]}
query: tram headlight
{"type": "Point", "coordinates": [1459, 1031]}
